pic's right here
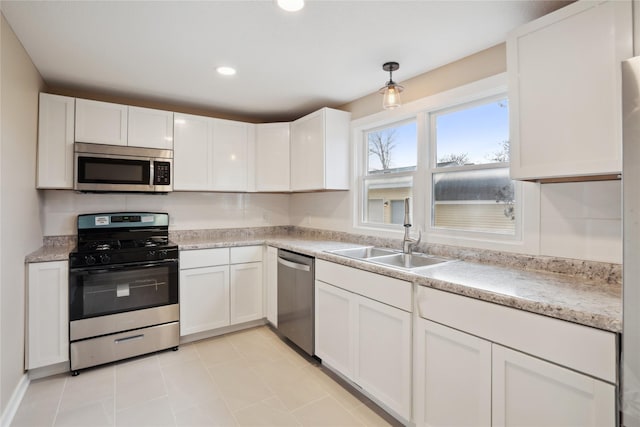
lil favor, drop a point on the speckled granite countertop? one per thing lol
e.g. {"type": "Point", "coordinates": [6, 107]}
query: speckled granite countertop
{"type": "Point", "coordinates": [579, 300]}
{"type": "Point", "coordinates": [594, 302]}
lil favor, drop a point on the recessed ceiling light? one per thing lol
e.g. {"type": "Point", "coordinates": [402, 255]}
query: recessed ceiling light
{"type": "Point", "coordinates": [226, 71]}
{"type": "Point", "coordinates": [291, 5]}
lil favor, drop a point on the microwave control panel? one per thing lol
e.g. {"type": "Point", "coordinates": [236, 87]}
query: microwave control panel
{"type": "Point", "coordinates": [162, 174]}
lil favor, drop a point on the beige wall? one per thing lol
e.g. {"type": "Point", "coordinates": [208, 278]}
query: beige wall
{"type": "Point", "coordinates": [334, 210]}
{"type": "Point", "coordinates": [20, 229]}
{"type": "Point", "coordinates": [485, 63]}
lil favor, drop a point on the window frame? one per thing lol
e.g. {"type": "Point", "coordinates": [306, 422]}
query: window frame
{"type": "Point", "coordinates": [365, 176]}
{"type": "Point", "coordinates": [433, 169]}
{"type": "Point", "coordinates": [527, 194]}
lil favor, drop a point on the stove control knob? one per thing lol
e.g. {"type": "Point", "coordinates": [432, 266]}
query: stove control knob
{"type": "Point", "coordinates": [151, 255]}
{"type": "Point", "coordinates": [162, 254]}
{"type": "Point", "coordinates": [89, 259]}
{"type": "Point", "coordinates": [104, 258]}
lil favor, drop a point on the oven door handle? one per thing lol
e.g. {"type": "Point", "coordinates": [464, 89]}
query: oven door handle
{"type": "Point", "coordinates": [103, 269]}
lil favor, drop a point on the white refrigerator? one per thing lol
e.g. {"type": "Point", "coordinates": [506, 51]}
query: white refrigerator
{"type": "Point", "coordinates": [630, 354]}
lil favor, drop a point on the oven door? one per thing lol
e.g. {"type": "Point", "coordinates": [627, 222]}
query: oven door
{"type": "Point", "coordinates": [105, 290]}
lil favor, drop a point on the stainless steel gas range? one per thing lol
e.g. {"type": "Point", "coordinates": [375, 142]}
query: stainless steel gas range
{"type": "Point", "coordinates": [123, 288]}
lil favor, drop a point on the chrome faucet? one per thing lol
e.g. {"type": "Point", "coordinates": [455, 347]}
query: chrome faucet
{"type": "Point", "coordinates": [408, 242]}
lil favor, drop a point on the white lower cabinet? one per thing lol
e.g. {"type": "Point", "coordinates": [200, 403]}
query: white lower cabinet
{"type": "Point", "coordinates": [530, 391]}
{"type": "Point", "coordinates": [366, 340]}
{"type": "Point", "coordinates": [47, 314]}
{"type": "Point", "coordinates": [215, 292]}
{"type": "Point", "coordinates": [452, 377]}
{"type": "Point", "coordinates": [246, 292]}
{"type": "Point", "coordinates": [383, 353]}
{"type": "Point", "coordinates": [271, 285]}
{"type": "Point", "coordinates": [334, 328]}
{"type": "Point", "coordinates": [204, 299]}
{"type": "Point", "coordinates": [473, 379]}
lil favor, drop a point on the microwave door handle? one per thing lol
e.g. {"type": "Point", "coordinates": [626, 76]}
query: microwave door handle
{"type": "Point", "coordinates": [152, 173]}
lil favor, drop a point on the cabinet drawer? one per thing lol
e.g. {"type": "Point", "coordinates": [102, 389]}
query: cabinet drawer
{"type": "Point", "coordinates": [578, 347]}
{"type": "Point", "coordinates": [203, 258]}
{"type": "Point", "coordinates": [244, 254]}
{"type": "Point", "coordinates": [375, 286]}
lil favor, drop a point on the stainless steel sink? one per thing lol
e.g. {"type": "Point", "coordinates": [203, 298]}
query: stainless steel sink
{"type": "Point", "coordinates": [391, 257]}
{"type": "Point", "coordinates": [364, 252]}
{"type": "Point", "coordinates": [409, 261]}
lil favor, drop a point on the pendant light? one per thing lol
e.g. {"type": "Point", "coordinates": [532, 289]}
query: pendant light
{"type": "Point", "coordinates": [391, 91]}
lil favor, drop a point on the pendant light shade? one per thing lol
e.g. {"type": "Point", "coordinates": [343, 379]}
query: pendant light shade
{"type": "Point", "coordinates": [391, 91]}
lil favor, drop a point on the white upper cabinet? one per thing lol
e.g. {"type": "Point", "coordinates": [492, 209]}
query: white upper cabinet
{"type": "Point", "coordinates": [565, 91]}
{"type": "Point", "coordinates": [55, 141]}
{"type": "Point", "coordinates": [231, 143]}
{"type": "Point", "coordinates": [272, 157]}
{"type": "Point", "coordinates": [320, 151]}
{"type": "Point", "coordinates": [115, 124]}
{"type": "Point", "coordinates": [101, 122]}
{"type": "Point", "coordinates": [150, 128]}
{"type": "Point", "coordinates": [192, 153]}
{"type": "Point", "coordinates": [212, 154]}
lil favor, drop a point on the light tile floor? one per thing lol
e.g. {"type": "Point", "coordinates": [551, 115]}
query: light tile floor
{"type": "Point", "coordinates": [248, 378]}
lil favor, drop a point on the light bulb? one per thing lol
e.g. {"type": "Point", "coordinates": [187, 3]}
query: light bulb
{"type": "Point", "coordinates": [391, 98]}
{"type": "Point", "coordinates": [291, 5]}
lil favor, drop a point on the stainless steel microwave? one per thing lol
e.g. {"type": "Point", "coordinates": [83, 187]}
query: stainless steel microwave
{"type": "Point", "coordinates": [115, 168]}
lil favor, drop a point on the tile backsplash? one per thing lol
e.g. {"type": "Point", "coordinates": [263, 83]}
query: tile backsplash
{"type": "Point", "coordinates": [187, 211]}
{"type": "Point", "coordinates": [582, 220]}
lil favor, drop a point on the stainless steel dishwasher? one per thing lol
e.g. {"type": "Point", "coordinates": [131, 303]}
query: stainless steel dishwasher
{"type": "Point", "coordinates": [296, 299]}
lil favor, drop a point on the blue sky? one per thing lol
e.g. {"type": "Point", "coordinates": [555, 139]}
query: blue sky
{"type": "Point", "coordinates": [477, 131]}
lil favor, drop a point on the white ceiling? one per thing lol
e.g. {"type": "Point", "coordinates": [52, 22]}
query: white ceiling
{"type": "Point", "coordinates": [288, 64]}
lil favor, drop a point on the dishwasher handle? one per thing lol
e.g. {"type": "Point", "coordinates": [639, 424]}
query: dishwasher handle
{"type": "Point", "coordinates": [294, 265]}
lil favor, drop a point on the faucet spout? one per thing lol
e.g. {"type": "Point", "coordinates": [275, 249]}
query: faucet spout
{"type": "Point", "coordinates": [407, 219]}
{"type": "Point", "coordinates": [407, 241]}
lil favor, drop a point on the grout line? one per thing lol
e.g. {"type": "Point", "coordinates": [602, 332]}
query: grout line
{"type": "Point", "coordinates": [55, 416]}
{"type": "Point", "coordinates": [218, 388]}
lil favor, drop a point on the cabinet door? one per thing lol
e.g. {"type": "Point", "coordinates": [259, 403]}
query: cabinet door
{"type": "Point", "coordinates": [101, 122]}
{"type": "Point", "coordinates": [271, 285]}
{"type": "Point", "coordinates": [47, 314]}
{"type": "Point", "coordinates": [308, 153]}
{"type": "Point", "coordinates": [531, 392]}
{"type": "Point", "coordinates": [192, 153]}
{"type": "Point", "coordinates": [334, 327]}
{"type": "Point", "coordinates": [272, 157]}
{"type": "Point", "coordinates": [382, 343]}
{"type": "Point", "coordinates": [204, 299]}
{"type": "Point", "coordinates": [55, 141]}
{"type": "Point", "coordinates": [246, 292]}
{"type": "Point", "coordinates": [565, 91]}
{"type": "Point", "coordinates": [452, 383]}
{"type": "Point", "coordinates": [150, 128]}
{"type": "Point", "coordinates": [230, 155]}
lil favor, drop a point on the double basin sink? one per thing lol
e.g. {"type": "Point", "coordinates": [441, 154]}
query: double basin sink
{"type": "Point", "coordinates": [390, 257]}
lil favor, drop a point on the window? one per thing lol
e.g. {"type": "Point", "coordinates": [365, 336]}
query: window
{"type": "Point", "coordinates": [469, 173]}
{"type": "Point", "coordinates": [391, 161]}
{"type": "Point", "coordinates": [450, 154]}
